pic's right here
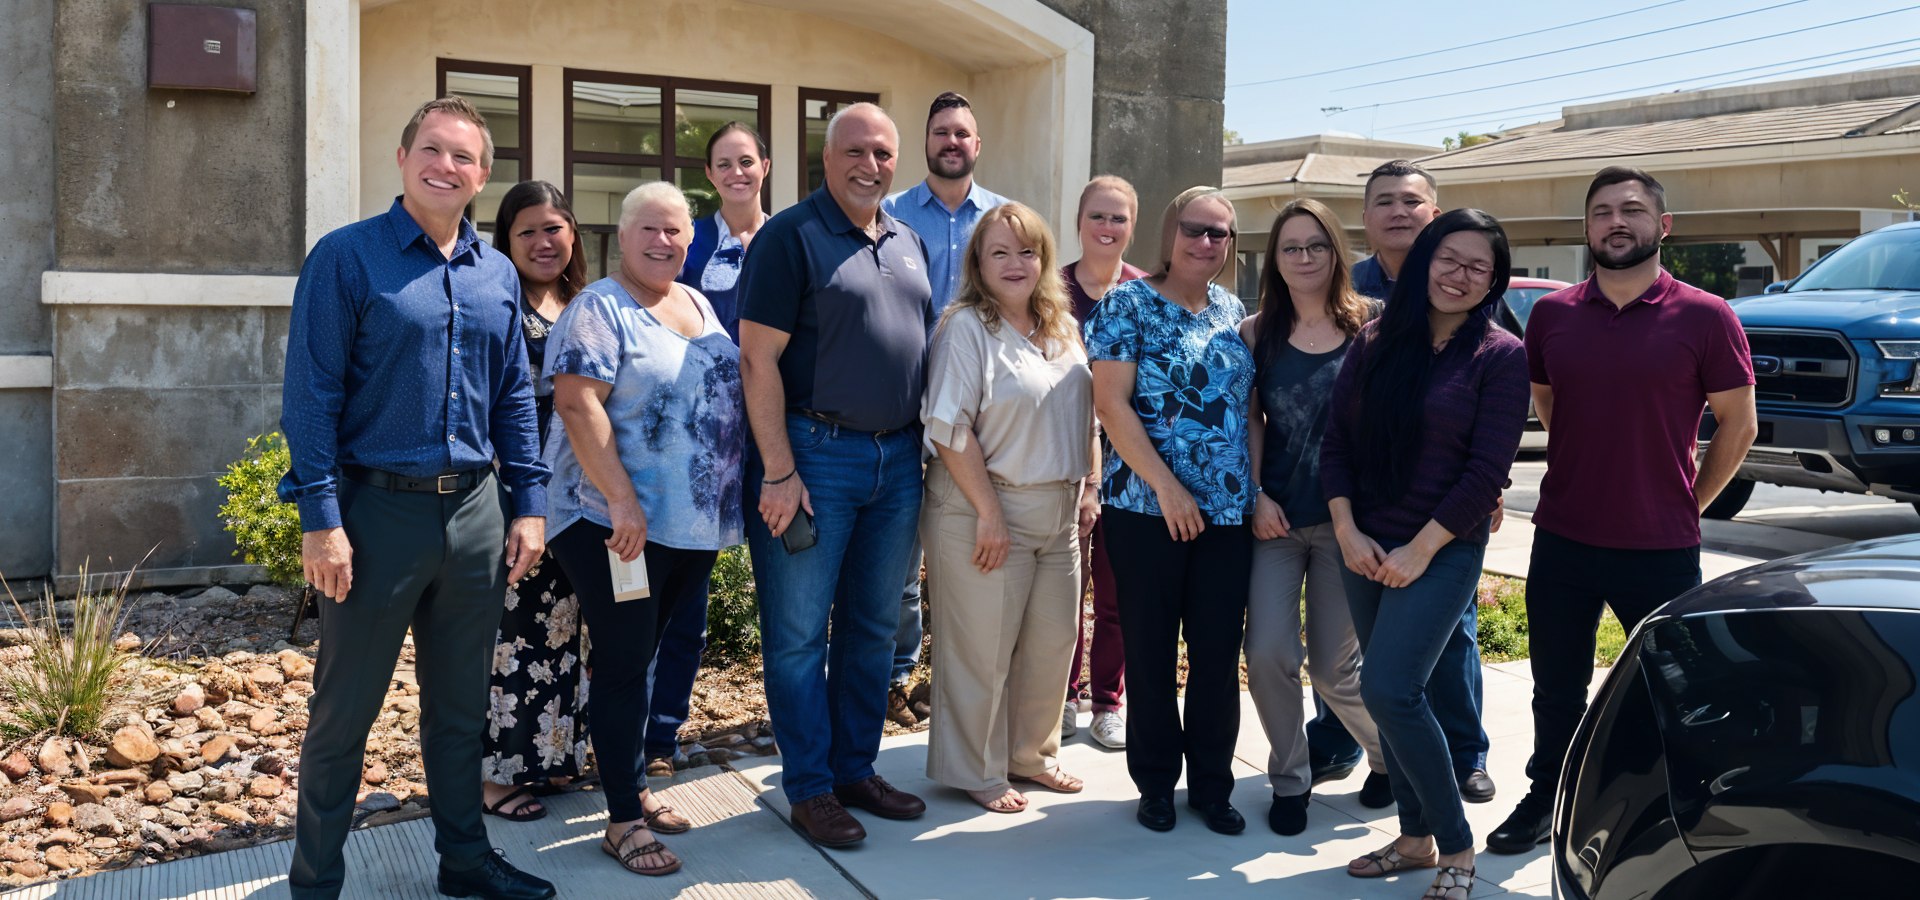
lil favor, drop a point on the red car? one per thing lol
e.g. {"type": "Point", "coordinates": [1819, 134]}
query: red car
{"type": "Point", "coordinates": [1522, 293]}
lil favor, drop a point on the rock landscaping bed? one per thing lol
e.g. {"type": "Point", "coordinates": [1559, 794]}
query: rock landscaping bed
{"type": "Point", "coordinates": [203, 754]}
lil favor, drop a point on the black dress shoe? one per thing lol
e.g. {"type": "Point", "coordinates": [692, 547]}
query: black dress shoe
{"type": "Point", "coordinates": [1156, 813]}
{"type": "Point", "coordinates": [1220, 817]}
{"type": "Point", "coordinates": [1288, 816]}
{"type": "Point", "coordinates": [1334, 769]}
{"type": "Point", "coordinates": [493, 879]}
{"type": "Point", "coordinates": [1526, 829]}
{"type": "Point", "coordinates": [1377, 793]}
{"type": "Point", "coordinates": [1476, 787]}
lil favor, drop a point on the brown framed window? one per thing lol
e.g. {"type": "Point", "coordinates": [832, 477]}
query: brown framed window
{"type": "Point", "coordinates": [817, 106]}
{"type": "Point", "coordinates": [618, 138]}
{"type": "Point", "coordinates": [504, 94]}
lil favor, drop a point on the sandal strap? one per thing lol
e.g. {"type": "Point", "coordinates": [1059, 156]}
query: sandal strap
{"type": "Point", "coordinates": [657, 813]}
{"type": "Point", "coordinates": [524, 790]}
{"type": "Point", "coordinates": [650, 849]}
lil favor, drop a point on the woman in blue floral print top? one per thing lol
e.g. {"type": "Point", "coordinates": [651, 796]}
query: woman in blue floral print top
{"type": "Point", "coordinates": [1172, 383]}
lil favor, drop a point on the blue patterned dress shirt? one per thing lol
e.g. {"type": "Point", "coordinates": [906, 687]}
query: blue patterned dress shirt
{"type": "Point", "coordinates": [403, 360]}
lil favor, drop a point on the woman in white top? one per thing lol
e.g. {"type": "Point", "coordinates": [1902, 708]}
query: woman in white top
{"type": "Point", "coordinates": [1009, 413]}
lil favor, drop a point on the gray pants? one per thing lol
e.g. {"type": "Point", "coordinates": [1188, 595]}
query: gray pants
{"type": "Point", "coordinates": [1308, 555]}
{"type": "Point", "coordinates": [435, 563]}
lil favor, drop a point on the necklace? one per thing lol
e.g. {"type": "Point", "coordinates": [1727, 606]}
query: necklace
{"type": "Point", "coordinates": [1302, 330]}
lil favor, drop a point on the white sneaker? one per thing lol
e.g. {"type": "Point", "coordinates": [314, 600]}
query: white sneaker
{"type": "Point", "coordinates": [1110, 729]}
{"type": "Point", "coordinates": [1068, 728]}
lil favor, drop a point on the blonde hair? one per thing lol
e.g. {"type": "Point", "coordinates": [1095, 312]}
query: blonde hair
{"type": "Point", "coordinates": [1170, 225]}
{"type": "Point", "coordinates": [650, 193]}
{"type": "Point", "coordinates": [459, 108]}
{"type": "Point", "coordinates": [1109, 183]}
{"type": "Point", "coordinates": [1052, 310]}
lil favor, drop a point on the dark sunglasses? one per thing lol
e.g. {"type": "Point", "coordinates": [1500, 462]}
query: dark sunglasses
{"type": "Point", "coordinates": [1196, 232]}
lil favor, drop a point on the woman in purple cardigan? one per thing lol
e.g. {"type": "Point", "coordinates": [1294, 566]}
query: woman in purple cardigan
{"type": "Point", "coordinates": [1425, 418]}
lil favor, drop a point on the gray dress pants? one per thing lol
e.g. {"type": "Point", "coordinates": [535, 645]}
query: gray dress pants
{"type": "Point", "coordinates": [1307, 556]}
{"type": "Point", "coordinates": [435, 563]}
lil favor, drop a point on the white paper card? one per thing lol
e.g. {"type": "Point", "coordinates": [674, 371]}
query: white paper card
{"type": "Point", "coordinates": [629, 578]}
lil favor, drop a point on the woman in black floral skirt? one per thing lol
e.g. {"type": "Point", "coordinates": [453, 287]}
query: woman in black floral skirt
{"type": "Point", "coordinates": [536, 737]}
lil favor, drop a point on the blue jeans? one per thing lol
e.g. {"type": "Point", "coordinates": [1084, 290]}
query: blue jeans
{"type": "Point", "coordinates": [1458, 702]}
{"type": "Point", "coordinates": [675, 666]}
{"type": "Point", "coordinates": [907, 638]}
{"type": "Point", "coordinates": [1404, 633]}
{"type": "Point", "coordinates": [828, 700]}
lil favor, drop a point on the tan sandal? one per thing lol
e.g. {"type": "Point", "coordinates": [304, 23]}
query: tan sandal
{"type": "Point", "coordinates": [629, 858]}
{"type": "Point", "coordinates": [1388, 860]}
{"type": "Point", "coordinates": [1053, 780]}
{"type": "Point", "coordinates": [664, 820]}
{"type": "Point", "coordinates": [1001, 800]}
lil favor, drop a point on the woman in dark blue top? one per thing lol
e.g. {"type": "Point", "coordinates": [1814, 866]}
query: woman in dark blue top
{"type": "Point", "coordinates": [1309, 313]}
{"type": "Point", "coordinates": [536, 735]}
{"type": "Point", "coordinates": [1172, 381]}
{"type": "Point", "coordinates": [737, 165]}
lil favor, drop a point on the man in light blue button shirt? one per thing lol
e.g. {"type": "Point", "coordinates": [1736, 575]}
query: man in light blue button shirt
{"type": "Point", "coordinates": [943, 210]}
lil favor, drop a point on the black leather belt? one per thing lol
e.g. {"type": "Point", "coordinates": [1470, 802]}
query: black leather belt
{"type": "Point", "coordinates": [829, 420]}
{"type": "Point", "coordinates": [450, 483]}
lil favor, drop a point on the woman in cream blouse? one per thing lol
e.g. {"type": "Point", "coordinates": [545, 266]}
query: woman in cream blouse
{"type": "Point", "coordinates": [1009, 415]}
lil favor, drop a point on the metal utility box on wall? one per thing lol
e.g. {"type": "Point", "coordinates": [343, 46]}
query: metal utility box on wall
{"type": "Point", "coordinates": [208, 48]}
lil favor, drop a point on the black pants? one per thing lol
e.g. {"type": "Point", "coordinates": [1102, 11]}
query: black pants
{"type": "Point", "coordinates": [624, 637]}
{"type": "Point", "coordinates": [1169, 589]}
{"type": "Point", "coordinates": [435, 563]}
{"type": "Point", "coordinates": [1567, 583]}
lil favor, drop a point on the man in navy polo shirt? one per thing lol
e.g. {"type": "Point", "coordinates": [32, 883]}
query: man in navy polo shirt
{"type": "Point", "coordinates": [406, 381]}
{"type": "Point", "coordinates": [1400, 198]}
{"type": "Point", "coordinates": [1622, 365]}
{"type": "Point", "coordinates": [943, 211]}
{"type": "Point", "coordinates": [835, 309]}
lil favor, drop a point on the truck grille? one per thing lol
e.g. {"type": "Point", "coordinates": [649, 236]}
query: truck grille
{"type": "Point", "coordinates": [1804, 368]}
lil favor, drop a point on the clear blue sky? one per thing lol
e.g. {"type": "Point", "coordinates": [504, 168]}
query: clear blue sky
{"type": "Point", "coordinates": [1284, 39]}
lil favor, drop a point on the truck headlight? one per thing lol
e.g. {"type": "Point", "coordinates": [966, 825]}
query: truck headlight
{"type": "Point", "coordinates": [1899, 349]}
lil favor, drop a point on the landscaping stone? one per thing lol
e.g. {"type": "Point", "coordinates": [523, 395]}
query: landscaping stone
{"type": "Point", "coordinates": [16, 808]}
{"type": "Point", "coordinates": [59, 814]}
{"type": "Point", "coordinates": [190, 700]}
{"type": "Point", "coordinates": [95, 818]}
{"type": "Point", "coordinates": [16, 766]}
{"type": "Point", "coordinates": [29, 869]}
{"type": "Point", "coordinates": [216, 749]}
{"type": "Point", "coordinates": [132, 745]}
{"type": "Point", "coordinates": [157, 793]}
{"type": "Point", "coordinates": [54, 760]}
{"type": "Point", "coordinates": [186, 782]}
{"type": "Point", "coordinates": [62, 858]}
{"type": "Point", "coordinates": [266, 787]}
{"type": "Point", "coordinates": [83, 792]}
{"type": "Point", "coordinates": [375, 774]}
{"type": "Point", "coordinates": [232, 814]}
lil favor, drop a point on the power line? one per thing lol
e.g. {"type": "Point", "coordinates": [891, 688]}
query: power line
{"type": "Point", "coordinates": [1479, 116]}
{"type": "Point", "coordinates": [1630, 37]}
{"type": "Point", "coordinates": [1497, 40]}
{"type": "Point", "coordinates": [1737, 81]}
{"type": "Point", "coordinates": [1660, 58]}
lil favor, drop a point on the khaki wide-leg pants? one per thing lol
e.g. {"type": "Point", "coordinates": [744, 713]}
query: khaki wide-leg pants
{"type": "Point", "coordinates": [1002, 640]}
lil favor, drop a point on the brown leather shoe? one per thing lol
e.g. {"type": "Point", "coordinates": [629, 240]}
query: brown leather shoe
{"type": "Point", "coordinates": [876, 796]}
{"type": "Point", "coordinates": [827, 822]}
{"type": "Point", "coordinates": [898, 710]}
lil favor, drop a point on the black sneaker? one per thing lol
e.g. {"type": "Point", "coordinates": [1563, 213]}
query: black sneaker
{"type": "Point", "coordinates": [1288, 815]}
{"type": "Point", "coordinates": [1527, 828]}
{"type": "Point", "coordinates": [1377, 793]}
{"type": "Point", "coordinates": [493, 879]}
{"type": "Point", "coordinates": [1325, 770]}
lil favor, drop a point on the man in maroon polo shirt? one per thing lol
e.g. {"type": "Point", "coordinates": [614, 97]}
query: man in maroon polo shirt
{"type": "Point", "coordinates": [1622, 365]}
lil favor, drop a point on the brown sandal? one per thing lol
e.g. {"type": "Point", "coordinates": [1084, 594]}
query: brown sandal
{"type": "Point", "coordinates": [629, 858]}
{"type": "Point", "coordinates": [665, 821]}
{"type": "Point", "coordinates": [1386, 861]}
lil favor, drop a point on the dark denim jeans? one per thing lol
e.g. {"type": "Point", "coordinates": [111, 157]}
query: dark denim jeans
{"type": "Point", "coordinates": [1404, 633]}
{"type": "Point", "coordinates": [1458, 701]}
{"type": "Point", "coordinates": [675, 666]}
{"type": "Point", "coordinates": [911, 632]}
{"type": "Point", "coordinates": [828, 700]}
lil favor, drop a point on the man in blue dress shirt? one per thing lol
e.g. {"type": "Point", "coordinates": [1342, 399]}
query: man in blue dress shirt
{"type": "Point", "coordinates": [942, 210]}
{"type": "Point", "coordinates": [406, 380]}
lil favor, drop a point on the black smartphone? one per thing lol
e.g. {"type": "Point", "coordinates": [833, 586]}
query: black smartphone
{"type": "Point", "coordinates": [799, 534]}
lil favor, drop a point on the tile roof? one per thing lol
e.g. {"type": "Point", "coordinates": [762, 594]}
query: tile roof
{"type": "Point", "coordinates": [1316, 168]}
{"type": "Point", "coordinates": [1785, 125]}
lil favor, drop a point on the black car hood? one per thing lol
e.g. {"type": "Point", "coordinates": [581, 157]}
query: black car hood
{"type": "Point", "coordinates": [1877, 574]}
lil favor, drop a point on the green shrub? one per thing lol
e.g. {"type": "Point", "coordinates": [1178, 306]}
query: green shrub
{"type": "Point", "coordinates": [266, 531]}
{"type": "Point", "coordinates": [68, 682]}
{"type": "Point", "coordinates": [733, 612]}
{"type": "Point", "coordinates": [1503, 624]}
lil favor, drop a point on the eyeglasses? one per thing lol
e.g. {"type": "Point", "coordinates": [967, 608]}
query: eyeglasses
{"type": "Point", "coordinates": [1315, 251]}
{"type": "Point", "coordinates": [1447, 265]}
{"type": "Point", "coordinates": [1197, 231]}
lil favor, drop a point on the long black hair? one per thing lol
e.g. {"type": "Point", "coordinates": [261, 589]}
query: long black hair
{"type": "Point", "coordinates": [529, 194]}
{"type": "Point", "coordinates": [1393, 378]}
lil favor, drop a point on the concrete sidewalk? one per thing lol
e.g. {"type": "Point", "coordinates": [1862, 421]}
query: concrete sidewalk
{"type": "Point", "coordinates": [1084, 845]}
{"type": "Point", "coordinates": [1510, 548]}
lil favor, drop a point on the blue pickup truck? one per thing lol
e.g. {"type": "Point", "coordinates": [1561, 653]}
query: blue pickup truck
{"type": "Point", "coordinates": [1836, 361]}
